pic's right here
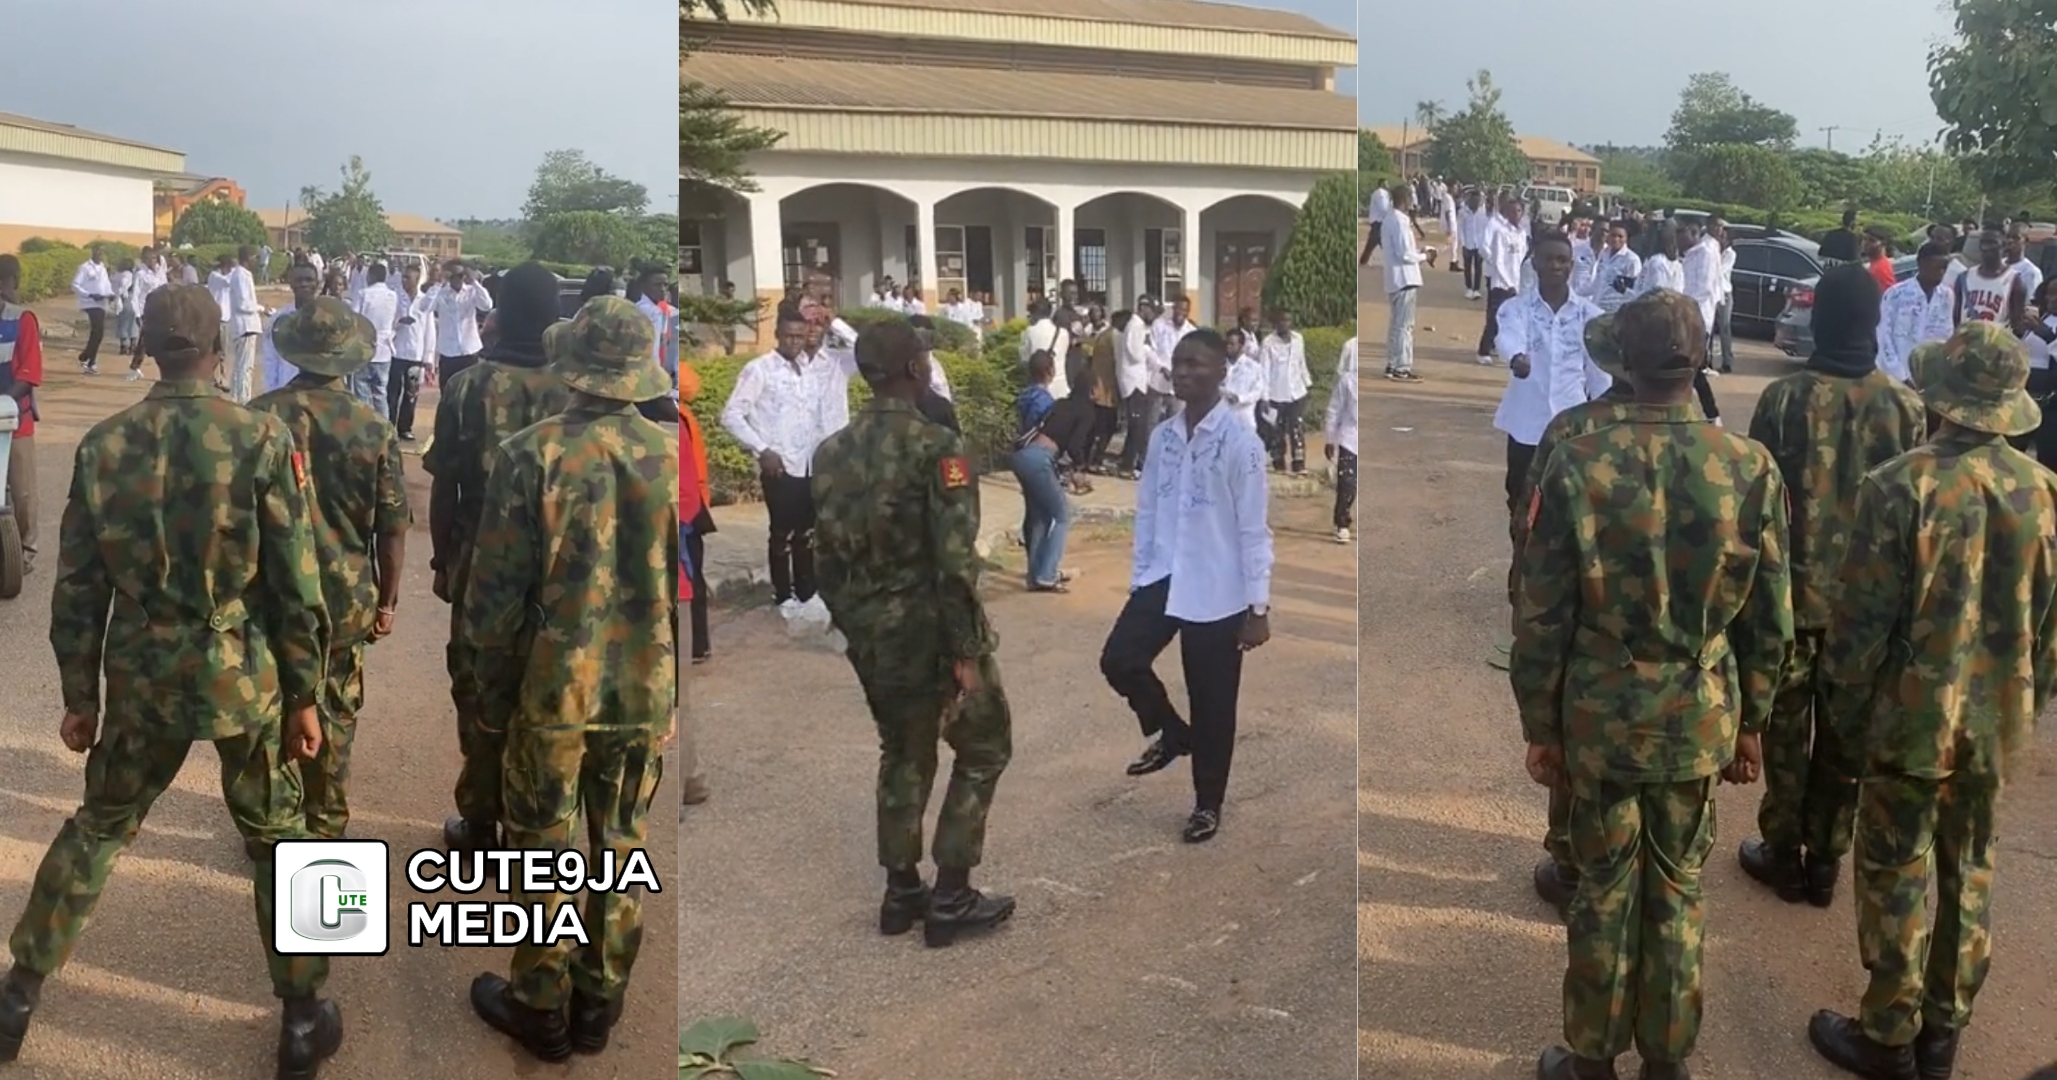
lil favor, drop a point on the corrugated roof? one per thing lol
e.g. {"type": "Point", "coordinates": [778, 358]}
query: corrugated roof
{"type": "Point", "coordinates": [399, 223]}
{"type": "Point", "coordinates": [850, 86]}
{"type": "Point", "coordinates": [8, 119]}
{"type": "Point", "coordinates": [1144, 13]}
{"type": "Point", "coordinates": [1534, 147]}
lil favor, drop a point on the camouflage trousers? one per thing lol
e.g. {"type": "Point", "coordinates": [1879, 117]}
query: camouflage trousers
{"type": "Point", "coordinates": [327, 777]}
{"type": "Point", "coordinates": [1635, 924]}
{"type": "Point", "coordinates": [1807, 802]}
{"type": "Point", "coordinates": [478, 778]}
{"type": "Point", "coordinates": [554, 776]}
{"type": "Point", "coordinates": [125, 773]}
{"type": "Point", "coordinates": [912, 714]}
{"type": "Point", "coordinates": [1923, 974]}
{"type": "Point", "coordinates": [1557, 833]}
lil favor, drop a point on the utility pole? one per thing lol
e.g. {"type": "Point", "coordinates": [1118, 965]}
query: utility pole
{"type": "Point", "coordinates": [1831, 131]}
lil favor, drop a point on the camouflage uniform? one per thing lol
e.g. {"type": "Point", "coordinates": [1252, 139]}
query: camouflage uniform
{"type": "Point", "coordinates": [506, 392]}
{"type": "Point", "coordinates": [1825, 430]}
{"type": "Point", "coordinates": [188, 574]}
{"type": "Point", "coordinates": [571, 614]}
{"type": "Point", "coordinates": [353, 459]}
{"type": "Point", "coordinates": [1650, 631]}
{"type": "Point", "coordinates": [1941, 651]}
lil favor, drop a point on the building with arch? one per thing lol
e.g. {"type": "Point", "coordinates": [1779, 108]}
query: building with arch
{"type": "Point", "coordinates": [1138, 147]}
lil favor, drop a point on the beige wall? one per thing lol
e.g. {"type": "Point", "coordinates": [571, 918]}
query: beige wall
{"type": "Point", "coordinates": [12, 236]}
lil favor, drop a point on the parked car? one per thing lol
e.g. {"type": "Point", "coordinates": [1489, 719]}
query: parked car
{"type": "Point", "coordinates": [1552, 204]}
{"type": "Point", "coordinates": [1767, 269]}
{"type": "Point", "coordinates": [1794, 335]}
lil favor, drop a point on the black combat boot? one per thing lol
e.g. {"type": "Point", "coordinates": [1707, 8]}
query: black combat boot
{"type": "Point", "coordinates": [1556, 884]}
{"type": "Point", "coordinates": [544, 1033]}
{"type": "Point", "coordinates": [1557, 1063]}
{"type": "Point", "coordinates": [907, 900]}
{"type": "Point", "coordinates": [464, 834]}
{"type": "Point", "coordinates": [1843, 1042]}
{"type": "Point", "coordinates": [592, 1022]}
{"type": "Point", "coordinates": [1821, 879]}
{"type": "Point", "coordinates": [1664, 1070]}
{"type": "Point", "coordinates": [310, 1032]}
{"type": "Point", "coordinates": [1935, 1053]}
{"type": "Point", "coordinates": [18, 995]}
{"type": "Point", "coordinates": [1779, 868]}
{"type": "Point", "coordinates": [955, 907]}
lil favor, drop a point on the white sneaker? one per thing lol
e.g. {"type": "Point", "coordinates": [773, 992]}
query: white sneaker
{"type": "Point", "coordinates": [134, 376]}
{"type": "Point", "coordinates": [788, 606]}
{"type": "Point", "coordinates": [1342, 536]}
{"type": "Point", "coordinates": [1485, 361]}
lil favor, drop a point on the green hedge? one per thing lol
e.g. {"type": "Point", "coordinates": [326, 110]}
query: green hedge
{"type": "Point", "coordinates": [1809, 223]}
{"type": "Point", "coordinates": [48, 265]}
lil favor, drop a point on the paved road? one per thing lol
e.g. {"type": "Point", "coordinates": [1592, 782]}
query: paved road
{"type": "Point", "coordinates": [1133, 956]}
{"type": "Point", "coordinates": [1460, 962]}
{"type": "Point", "coordinates": [184, 997]}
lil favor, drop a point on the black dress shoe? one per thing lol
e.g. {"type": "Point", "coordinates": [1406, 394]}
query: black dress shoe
{"type": "Point", "coordinates": [19, 992]}
{"type": "Point", "coordinates": [1154, 758]}
{"type": "Point", "coordinates": [961, 911]}
{"type": "Point", "coordinates": [545, 1034]}
{"type": "Point", "coordinates": [1821, 880]}
{"type": "Point", "coordinates": [1557, 1063]}
{"type": "Point", "coordinates": [1202, 826]}
{"type": "Point", "coordinates": [904, 905]}
{"type": "Point", "coordinates": [1935, 1053]}
{"type": "Point", "coordinates": [464, 834]}
{"type": "Point", "coordinates": [592, 1021]}
{"type": "Point", "coordinates": [310, 1032]}
{"type": "Point", "coordinates": [1555, 886]}
{"type": "Point", "coordinates": [1844, 1044]}
{"type": "Point", "coordinates": [1778, 868]}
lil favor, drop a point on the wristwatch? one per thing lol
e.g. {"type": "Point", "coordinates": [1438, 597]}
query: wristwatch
{"type": "Point", "coordinates": [1261, 610]}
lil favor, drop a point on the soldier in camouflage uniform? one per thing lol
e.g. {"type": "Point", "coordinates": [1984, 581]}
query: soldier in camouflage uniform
{"type": "Point", "coordinates": [1648, 641]}
{"type": "Point", "coordinates": [361, 519]}
{"type": "Point", "coordinates": [1556, 877]}
{"type": "Point", "coordinates": [896, 508]}
{"type": "Point", "coordinates": [571, 614]}
{"type": "Point", "coordinates": [1826, 426]}
{"type": "Point", "coordinates": [1941, 652]}
{"type": "Point", "coordinates": [511, 388]}
{"type": "Point", "coordinates": [188, 573]}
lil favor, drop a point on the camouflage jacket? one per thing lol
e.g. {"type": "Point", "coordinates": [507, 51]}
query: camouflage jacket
{"type": "Point", "coordinates": [1826, 431]}
{"type": "Point", "coordinates": [353, 466]}
{"type": "Point", "coordinates": [572, 594]}
{"type": "Point", "coordinates": [1653, 616]}
{"type": "Point", "coordinates": [1942, 648]}
{"type": "Point", "coordinates": [188, 569]}
{"type": "Point", "coordinates": [484, 405]}
{"type": "Point", "coordinates": [895, 534]}
{"type": "Point", "coordinates": [1584, 418]}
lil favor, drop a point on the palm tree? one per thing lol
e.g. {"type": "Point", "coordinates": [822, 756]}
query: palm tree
{"type": "Point", "coordinates": [1429, 114]}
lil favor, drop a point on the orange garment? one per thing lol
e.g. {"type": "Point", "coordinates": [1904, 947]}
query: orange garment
{"type": "Point", "coordinates": [689, 428]}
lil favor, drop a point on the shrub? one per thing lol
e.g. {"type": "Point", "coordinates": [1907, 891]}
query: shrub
{"type": "Point", "coordinates": [1315, 277]}
{"type": "Point", "coordinates": [951, 335]}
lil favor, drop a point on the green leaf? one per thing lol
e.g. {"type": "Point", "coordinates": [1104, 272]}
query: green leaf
{"type": "Point", "coordinates": [694, 1071]}
{"type": "Point", "coordinates": [716, 1037]}
{"type": "Point", "coordinates": [774, 1070]}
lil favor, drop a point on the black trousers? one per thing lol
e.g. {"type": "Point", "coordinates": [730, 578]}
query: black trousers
{"type": "Point", "coordinates": [1135, 446]}
{"type": "Point", "coordinates": [1292, 434]}
{"type": "Point", "coordinates": [447, 368]}
{"type": "Point", "coordinates": [96, 328]}
{"type": "Point", "coordinates": [1213, 667]}
{"type": "Point", "coordinates": [2041, 443]}
{"type": "Point", "coordinates": [1106, 421]}
{"type": "Point", "coordinates": [1346, 488]}
{"type": "Point", "coordinates": [790, 549]}
{"type": "Point", "coordinates": [403, 394]}
{"type": "Point", "coordinates": [1474, 269]}
{"type": "Point", "coordinates": [1494, 298]}
{"type": "Point", "coordinates": [696, 554]}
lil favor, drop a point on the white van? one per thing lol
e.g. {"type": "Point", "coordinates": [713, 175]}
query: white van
{"type": "Point", "coordinates": [1552, 203]}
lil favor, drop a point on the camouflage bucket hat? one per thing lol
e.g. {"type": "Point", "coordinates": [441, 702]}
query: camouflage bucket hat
{"type": "Point", "coordinates": [606, 351]}
{"type": "Point", "coordinates": [180, 322]}
{"type": "Point", "coordinates": [1978, 379]}
{"type": "Point", "coordinates": [1604, 348]}
{"type": "Point", "coordinates": [1661, 334]}
{"type": "Point", "coordinates": [326, 338]}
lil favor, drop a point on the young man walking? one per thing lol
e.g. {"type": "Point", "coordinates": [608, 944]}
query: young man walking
{"type": "Point", "coordinates": [1506, 248]}
{"type": "Point", "coordinates": [1404, 260]}
{"type": "Point", "coordinates": [1339, 440]}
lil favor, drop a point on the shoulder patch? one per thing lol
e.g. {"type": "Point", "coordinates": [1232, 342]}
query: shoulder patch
{"type": "Point", "coordinates": [1535, 506]}
{"type": "Point", "coordinates": [299, 468]}
{"type": "Point", "coordinates": [956, 473]}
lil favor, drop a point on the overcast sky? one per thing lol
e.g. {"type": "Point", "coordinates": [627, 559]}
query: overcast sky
{"type": "Point", "coordinates": [1605, 71]}
{"type": "Point", "coordinates": [451, 103]}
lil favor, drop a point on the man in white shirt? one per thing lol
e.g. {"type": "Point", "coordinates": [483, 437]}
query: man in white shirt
{"type": "Point", "coordinates": [2013, 255]}
{"type": "Point", "coordinates": [1472, 224]}
{"type": "Point", "coordinates": [381, 306]}
{"type": "Point", "coordinates": [458, 304]}
{"type": "Point", "coordinates": [1585, 253]}
{"type": "Point", "coordinates": [320, 267]}
{"type": "Point", "coordinates": [94, 291]}
{"type": "Point", "coordinates": [1203, 561]}
{"type": "Point", "coordinates": [1543, 336]}
{"type": "Point", "coordinates": [649, 291]}
{"type": "Point", "coordinates": [410, 338]}
{"type": "Point", "coordinates": [963, 312]}
{"type": "Point", "coordinates": [1700, 258]}
{"type": "Point", "coordinates": [1404, 259]}
{"type": "Point", "coordinates": [1339, 436]}
{"type": "Point", "coordinates": [885, 295]}
{"type": "Point", "coordinates": [305, 282]}
{"type": "Point", "coordinates": [359, 278]}
{"type": "Point", "coordinates": [1724, 313]}
{"type": "Point", "coordinates": [1287, 382]}
{"type": "Point", "coordinates": [1136, 377]}
{"type": "Point", "coordinates": [1505, 248]}
{"type": "Point", "coordinates": [1045, 335]}
{"type": "Point", "coordinates": [151, 275]}
{"type": "Point", "coordinates": [911, 302]}
{"type": "Point", "coordinates": [1917, 310]}
{"type": "Point", "coordinates": [1614, 279]}
{"type": "Point", "coordinates": [1244, 388]}
{"type": "Point", "coordinates": [244, 334]}
{"type": "Point", "coordinates": [784, 404]}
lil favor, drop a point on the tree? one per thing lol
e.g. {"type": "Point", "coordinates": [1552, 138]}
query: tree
{"type": "Point", "coordinates": [566, 181]}
{"type": "Point", "coordinates": [1373, 158]}
{"type": "Point", "coordinates": [1713, 111]}
{"type": "Point", "coordinates": [1638, 171]}
{"type": "Point", "coordinates": [588, 237]}
{"type": "Point", "coordinates": [351, 219]}
{"type": "Point", "coordinates": [1477, 145]}
{"type": "Point", "coordinates": [1750, 175]}
{"type": "Point", "coordinates": [1995, 88]}
{"type": "Point", "coordinates": [1429, 113]}
{"type": "Point", "coordinates": [1315, 277]}
{"type": "Point", "coordinates": [714, 142]}
{"type": "Point", "coordinates": [217, 221]}
{"type": "Point", "coordinates": [1828, 178]}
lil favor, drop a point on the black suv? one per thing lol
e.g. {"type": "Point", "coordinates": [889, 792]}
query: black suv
{"type": "Point", "coordinates": [1768, 269]}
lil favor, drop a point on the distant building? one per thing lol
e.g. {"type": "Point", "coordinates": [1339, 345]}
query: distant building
{"type": "Point", "coordinates": [175, 193]}
{"type": "Point", "coordinates": [288, 230]}
{"type": "Point", "coordinates": [1550, 162]}
{"type": "Point", "coordinates": [65, 183]}
{"type": "Point", "coordinates": [1138, 146]}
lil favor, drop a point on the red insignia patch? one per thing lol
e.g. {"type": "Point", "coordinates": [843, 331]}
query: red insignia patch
{"type": "Point", "coordinates": [299, 468]}
{"type": "Point", "coordinates": [1535, 507]}
{"type": "Point", "coordinates": [956, 473]}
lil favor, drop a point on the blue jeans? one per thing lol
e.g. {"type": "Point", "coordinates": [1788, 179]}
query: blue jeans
{"type": "Point", "coordinates": [369, 386]}
{"type": "Point", "coordinates": [1045, 515]}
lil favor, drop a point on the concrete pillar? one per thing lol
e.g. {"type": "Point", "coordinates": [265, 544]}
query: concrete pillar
{"type": "Point", "coordinates": [925, 240]}
{"type": "Point", "coordinates": [767, 261]}
{"type": "Point", "coordinates": [1067, 250]}
{"type": "Point", "coordinates": [1189, 267]}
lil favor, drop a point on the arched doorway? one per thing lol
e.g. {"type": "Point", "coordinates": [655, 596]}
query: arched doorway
{"type": "Point", "coordinates": [843, 240]}
{"type": "Point", "coordinates": [1240, 237]}
{"type": "Point", "coordinates": [1127, 244]}
{"type": "Point", "coordinates": [996, 244]}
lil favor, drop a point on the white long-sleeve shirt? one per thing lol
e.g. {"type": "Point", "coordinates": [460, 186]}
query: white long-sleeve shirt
{"type": "Point", "coordinates": [90, 285]}
{"type": "Point", "coordinates": [1244, 388]}
{"type": "Point", "coordinates": [1403, 254]}
{"type": "Point", "coordinates": [1560, 373]}
{"type": "Point", "coordinates": [457, 312]}
{"type": "Point", "coordinates": [790, 406]}
{"type": "Point", "coordinates": [1585, 264]}
{"type": "Point", "coordinates": [1472, 226]}
{"type": "Point", "coordinates": [410, 324]}
{"type": "Point", "coordinates": [1660, 272]}
{"type": "Point", "coordinates": [1613, 266]}
{"type": "Point", "coordinates": [1046, 336]}
{"type": "Point", "coordinates": [1506, 247]}
{"type": "Point", "coordinates": [1340, 428]}
{"type": "Point", "coordinates": [244, 313]}
{"type": "Point", "coordinates": [277, 372]}
{"type": "Point", "coordinates": [1136, 358]}
{"type": "Point", "coordinates": [1165, 334]}
{"type": "Point", "coordinates": [1286, 378]}
{"type": "Point", "coordinates": [1201, 518]}
{"type": "Point", "coordinates": [843, 337]}
{"type": "Point", "coordinates": [1728, 270]}
{"type": "Point", "coordinates": [1701, 265]}
{"type": "Point", "coordinates": [218, 287]}
{"type": "Point", "coordinates": [1908, 317]}
{"type": "Point", "coordinates": [148, 280]}
{"type": "Point", "coordinates": [380, 305]}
